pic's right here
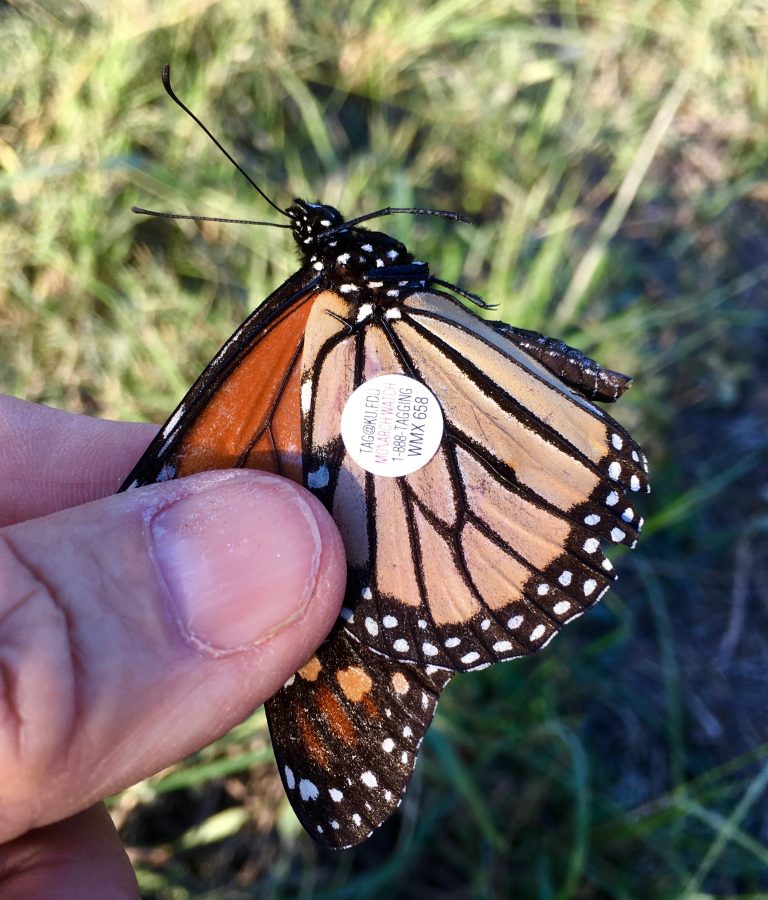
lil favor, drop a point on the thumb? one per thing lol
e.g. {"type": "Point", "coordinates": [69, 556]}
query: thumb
{"type": "Point", "coordinates": [136, 629]}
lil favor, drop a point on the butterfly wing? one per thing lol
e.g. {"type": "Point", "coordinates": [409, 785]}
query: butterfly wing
{"type": "Point", "coordinates": [484, 553]}
{"type": "Point", "coordinates": [346, 730]}
{"type": "Point", "coordinates": [243, 410]}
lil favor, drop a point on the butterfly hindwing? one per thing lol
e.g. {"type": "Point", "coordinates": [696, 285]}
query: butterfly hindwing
{"type": "Point", "coordinates": [346, 730]}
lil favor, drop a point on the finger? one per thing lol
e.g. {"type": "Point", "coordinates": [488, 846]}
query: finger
{"type": "Point", "coordinates": [79, 857]}
{"type": "Point", "coordinates": [138, 628]}
{"type": "Point", "coordinates": [52, 460]}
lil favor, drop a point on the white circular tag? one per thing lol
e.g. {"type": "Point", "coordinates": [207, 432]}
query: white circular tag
{"type": "Point", "coordinates": [392, 425]}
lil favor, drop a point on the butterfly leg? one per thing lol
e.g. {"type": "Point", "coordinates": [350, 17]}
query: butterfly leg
{"type": "Point", "coordinates": [577, 370]}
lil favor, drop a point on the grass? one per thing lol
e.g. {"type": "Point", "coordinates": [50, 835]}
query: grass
{"type": "Point", "coordinates": [613, 156]}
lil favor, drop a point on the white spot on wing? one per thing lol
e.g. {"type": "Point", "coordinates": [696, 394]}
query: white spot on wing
{"type": "Point", "coordinates": [306, 397]}
{"type": "Point", "coordinates": [308, 790]}
{"type": "Point", "coordinates": [336, 795]}
{"type": "Point", "coordinates": [537, 632]}
{"type": "Point", "coordinates": [470, 657]}
{"type": "Point", "coordinates": [364, 312]}
{"type": "Point", "coordinates": [369, 779]}
{"type": "Point", "coordinates": [319, 478]}
{"type": "Point", "coordinates": [371, 626]}
{"type": "Point", "coordinates": [289, 779]}
{"type": "Point", "coordinates": [173, 421]}
{"type": "Point", "coordinates": [401, 645]}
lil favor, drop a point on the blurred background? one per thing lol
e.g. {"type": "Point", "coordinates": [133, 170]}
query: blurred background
{"type": "Point", "coordinates": [614, 156]}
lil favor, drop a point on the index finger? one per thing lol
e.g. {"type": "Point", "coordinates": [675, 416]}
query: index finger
{"type": "Point", "coordinates": [51, 460]}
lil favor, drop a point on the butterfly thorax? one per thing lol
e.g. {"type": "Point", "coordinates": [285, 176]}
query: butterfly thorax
{"type": "Point", "coordinates": [354, 261]}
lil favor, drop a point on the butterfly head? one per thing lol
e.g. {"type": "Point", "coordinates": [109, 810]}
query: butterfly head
{"type": "Point", "coordinates": [310, 221]}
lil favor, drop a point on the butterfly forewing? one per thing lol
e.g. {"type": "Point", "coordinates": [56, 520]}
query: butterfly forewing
{"type": "Point", "coordinates": [496, 542]}
{"type": "Point", "coordinates": [346, 729]}
{"type": "Point", "coordinates": [243, 410]}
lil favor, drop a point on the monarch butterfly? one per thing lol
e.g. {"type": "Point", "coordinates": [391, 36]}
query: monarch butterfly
{"type": "Point", "coordinates": [479, 555]}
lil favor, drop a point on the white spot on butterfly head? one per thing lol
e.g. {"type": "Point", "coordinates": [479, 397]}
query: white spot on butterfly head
{"type": "Point", "coordinates": [308, 790]}
{"type": "Point", "coordinates": [289, 778]}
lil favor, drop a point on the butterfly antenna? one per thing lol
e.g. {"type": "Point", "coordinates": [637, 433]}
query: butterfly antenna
{"type": "Point", "coordinates": [167, 215]}
{"type": "Point", "coordinates": [172, 94]}
{"type": "Point", "coordinates": [410, 210]}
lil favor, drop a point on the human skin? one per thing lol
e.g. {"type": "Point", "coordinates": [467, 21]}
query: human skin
{"type": "Point", "coordinates": [134, 629]}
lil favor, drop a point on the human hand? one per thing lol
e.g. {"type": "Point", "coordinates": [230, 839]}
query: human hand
{"type": "Point", "coordinates": [134, 629]}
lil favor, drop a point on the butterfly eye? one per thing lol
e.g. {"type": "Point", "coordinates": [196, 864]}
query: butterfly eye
{"type": "Point", "coordinates": [469, 541]}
